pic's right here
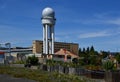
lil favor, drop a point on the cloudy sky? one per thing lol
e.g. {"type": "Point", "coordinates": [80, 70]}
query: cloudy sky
{"type": "Point", "coordinates": [87, 22]}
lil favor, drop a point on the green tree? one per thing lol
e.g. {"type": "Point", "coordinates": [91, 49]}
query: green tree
{"type": "Point", "coordinates": [92, 51]}
{"type": "Point", "coordinates": [88, 50]}
{"type": "Point", "coordinates": [104, 54]}
{"type": "Point", "coordinates": [92, 59]}
{"type": "Point", "coordinates": [90, 56]}
{"type": "Point", "coordinates": [80, 52]}
{"type": "Point", "coordinates": [84, 50]}
{"type": "Point", "coordinates": [117, 56]}
{"type": "Point", "coordinates": [108, 65]}
{"type": "Point", "coordinates": [32, 60]}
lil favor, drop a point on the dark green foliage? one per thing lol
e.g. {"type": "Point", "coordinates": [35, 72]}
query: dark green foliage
{"type": "Point", "coordinates": [92, 51]}
{"type": "Point", "coordinates": [50, 62]}
{"type": "Point", "coordinates": [117, 56]}
{"type": "Point", "coordinates": [92, 60]}
{"type": "Point", "coordinates": [104, 54]}
{"type": "Point", "coordinates": [90, 56]}
{"type": "Point", "coordinates": [88, 50]}
{"type": "Point", "coordinates": [32, 60]}
{"type": "Point", "coordinates": [42, 76]}
{"type": "Point", "coordinates": [75, 60]}
{"type": "Point", "coordinates": [108, 65]}
{"type": "Point", "coordinates": [81, 62]}
{"type": "Point", "coordinates": [19, 62]}
{"type": "Point", "coordinates": [84, 50]}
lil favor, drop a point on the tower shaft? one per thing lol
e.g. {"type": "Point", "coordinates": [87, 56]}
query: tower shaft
{"type": "Point", "coordinates": [48, 21]}
{"type": "Point", "coordinates": [48, 39]}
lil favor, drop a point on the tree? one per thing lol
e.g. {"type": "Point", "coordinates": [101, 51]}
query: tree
{"type": "Point", "coordinates": [92, 48]}
{"type": "Point", "coordinates": [92, 59]}
{"type": "Point", "coordinates": [117, 56]}
{"type": "Point", "coordinates": [80, 52]}
{"type": "Point", "coordinates": [108, 65]}
{"type": "Point", "coordinates": [75, 60]}
{"type": "Point", "coordinates": [84, 50]}
{"type": "Point", "coordinates": [92, 51]}
{"type": "Point", "coordinates": [104, 54]}
{"type": "Point", "coordinates": [90, 56]}
{"type": "Point", "coordinates": [88, 50]}
{"type": "Point", "coordinates": [32, 60]}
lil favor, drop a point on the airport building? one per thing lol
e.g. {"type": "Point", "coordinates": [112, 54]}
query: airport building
{"type": "Point", "coordinates": [72, 47]}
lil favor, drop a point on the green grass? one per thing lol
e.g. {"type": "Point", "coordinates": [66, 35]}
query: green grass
{"type": "Point", "coordinates": [40, 75]}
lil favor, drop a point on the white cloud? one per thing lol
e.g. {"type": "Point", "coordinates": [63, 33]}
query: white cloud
{"type": "Point", "coordinates": [109, 18]}
{"type": "Point", "coordinates": [114, 21]}
{"type": "Point", "coordinates": [103, 18]}
{"type": "Point", "coordinates": [101, 15]}
{"type": "Point", "coordinates": [94, 34]}
{"type": "Point", "coordinates": [63, 38]}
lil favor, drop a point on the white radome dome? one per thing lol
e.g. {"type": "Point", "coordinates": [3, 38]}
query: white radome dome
{"type": "Point", "coordinates": [48, 12]}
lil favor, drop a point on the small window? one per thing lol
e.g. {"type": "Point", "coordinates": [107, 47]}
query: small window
{"type": "Point", "coordinates": [68, 57]}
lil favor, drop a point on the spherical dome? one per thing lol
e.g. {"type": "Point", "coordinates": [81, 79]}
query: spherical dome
{"type": "Point", "coordinates": [48, 12]}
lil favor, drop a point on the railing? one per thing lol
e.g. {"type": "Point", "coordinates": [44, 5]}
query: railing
{"type": "Point", "coordinates": [105, 76]}
{"type": "Point", "coordinates": [75, 71]}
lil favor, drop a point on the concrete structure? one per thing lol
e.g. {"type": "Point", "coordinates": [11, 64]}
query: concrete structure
{"type": "Point", "coordinates": [48, 21]}
{"type": "Point", "coordinates": [6, 47]}
{"type": "Point", "coordinates": [16, 53]}
{"type": "Point", "coordinates": [2, 57]}
{"type": "Point", "coordinates": [19, 53]}
{"type": "Point", "coordinates": [72, 47]}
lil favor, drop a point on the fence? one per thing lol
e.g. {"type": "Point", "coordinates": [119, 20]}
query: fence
{"type": "Point", "coordinates": [108, 76]}
{"type": "Point", "coordinates": [75, 71]}
{"type": "Point", "coordinates": [112, 76]}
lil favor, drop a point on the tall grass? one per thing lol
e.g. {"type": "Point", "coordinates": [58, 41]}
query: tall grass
{"type": "Point", "coordinates": [39, 75]}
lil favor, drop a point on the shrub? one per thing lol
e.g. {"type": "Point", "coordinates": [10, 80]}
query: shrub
{"type": "Point", "coordinates": [75, 60]}
{"type": "Point", "coordinates": [19, 62]}
{"type": "Point", "coordinates": [108, 65]}
{"type": "Point", "coordinates": [32, 60]}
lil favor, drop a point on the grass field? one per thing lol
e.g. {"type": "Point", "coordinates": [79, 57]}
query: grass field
{"type": "Point", "coordinates": [40, 75]}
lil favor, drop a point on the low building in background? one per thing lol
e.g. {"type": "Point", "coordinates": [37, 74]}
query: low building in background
{"type": "Point", "coordinates": [72, 47]}
{"type": "Point", "coordinates": [21, 53]}
{"type": "Point", "coordinates": [2, 57]}
{"type": "Point", "coordinates": [65, 55]}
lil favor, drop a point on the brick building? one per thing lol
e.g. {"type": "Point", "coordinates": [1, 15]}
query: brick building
{"type": "Point", "coordinates": [72, 47]}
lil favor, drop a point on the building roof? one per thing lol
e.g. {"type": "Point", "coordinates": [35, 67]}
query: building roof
{"type": "Point", "coordinates": [65, 52]}
{"type": "Point", "coordinates": [1, 53]}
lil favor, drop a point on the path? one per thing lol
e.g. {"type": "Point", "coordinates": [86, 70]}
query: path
{"type": "Point", "coordinates": [7, 78]}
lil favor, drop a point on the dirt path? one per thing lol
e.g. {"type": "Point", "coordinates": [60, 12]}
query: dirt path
{"type": "Point", "coordinates": [7, 78]}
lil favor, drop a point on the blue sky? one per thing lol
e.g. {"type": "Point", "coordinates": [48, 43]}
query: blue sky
{"type": "Point", "coordinates": [87, 22]}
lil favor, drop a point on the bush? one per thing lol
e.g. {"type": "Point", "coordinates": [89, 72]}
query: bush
{"type": "Point", "coordinates": [75, 60]}
{"type": "Point", "coordinates": [32, 60]}
{"type": "Point", "coordinates": [19, 62]}
{"type": "Point", "coordinates": [93, 67]}
{"type": "Point", "coordinates": [108, 65]}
